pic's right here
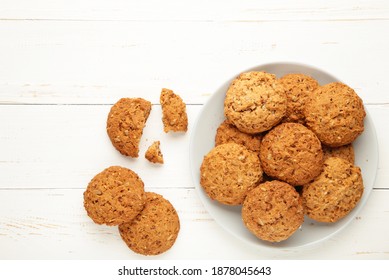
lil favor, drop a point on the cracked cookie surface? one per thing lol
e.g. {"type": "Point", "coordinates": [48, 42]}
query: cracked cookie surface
{"type": "Point", "coordinates": [114, 196]}
{"type": "Point", "coordinates": [228, 172]}
{"type": "Point", "coordinates": [273, 211]}
{"type": "Point", "coordinates": [335, 192]}
{"type": "Point", "coordinates": [255, 102]}
{"type": "Point", "coordinates": [155, 229]}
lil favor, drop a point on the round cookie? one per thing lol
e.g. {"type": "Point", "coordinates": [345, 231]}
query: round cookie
{"type": "Point", "coordinates": [273, 211]}
{"type": "Point", "coordinates": [255, 102]}
{"type": "Point", "coordinates": [114, 196]}
{"type": "Point", "coordinates": [125, 124]}
{"type": "Point", "coordinates": [298, 87]}
{"type": "Point", "coordinates": [155, 229]}
{"type": "Point", "coordinates": [228, 172]}
{"type": "Point", "coordinates": [292, 153]}
{"type": "Point", "coordinates": [345, 152]}
{"type": "Point", "coordinates": [335, 192]}
{"type": "Point", "coordinates": [227, 132]}
{"type": "Point", "coordinates": [336, 114]}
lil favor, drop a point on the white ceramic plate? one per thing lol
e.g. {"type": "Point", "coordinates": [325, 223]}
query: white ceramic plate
{"type": "Point", "coordinates": [229, 217]}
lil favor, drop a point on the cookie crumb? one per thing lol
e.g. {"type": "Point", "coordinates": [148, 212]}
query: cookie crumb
{"type": "Point", "coordinates": [154, 154]}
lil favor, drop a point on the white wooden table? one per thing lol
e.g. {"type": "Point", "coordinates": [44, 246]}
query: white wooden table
{"type": "Point", "coordinates": [64, 63]}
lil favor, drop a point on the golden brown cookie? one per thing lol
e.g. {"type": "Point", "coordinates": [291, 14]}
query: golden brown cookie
{"type": "Point", "coordinates": [154, 154]}
{"type": "Point", "coordinates": [335, 192]}
{"type": "Point", "coordinates": [335, 113]}
{"type": "Point", "coordinates": [155, 229]}
{"type": "Point", "coordinates": [228, 172]}
{"type": "Point", "coordinates": [114, 196]}
{"type": "Point", "coordinates": [125, 124]}
{"type": "Point", "coordinates": [174, 115]}
{"type": "Point", "coordinates": [227, 132]}
{"type": "Point", "coordinates": [298, 87]}
{"type": "Point", "coordinates": [255, 102]}
{"type": "Point", "coordinates": [292, 153]}
{"type": "Point", "coordinates": [273, 211]}
{"type": "Point", "coordinates": [345, 152]}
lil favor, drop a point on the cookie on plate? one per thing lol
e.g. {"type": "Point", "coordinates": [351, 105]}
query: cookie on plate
{"type": "Point", "coordinates": [227, 132]}
{"type": "Point", "coordinates": [155, 229]}
{"type": "Point", "coordinates": [335, 192]}
{"type": "Point", "coordinates": [174, 115]}
{"type": "Point", "coordinates": [114, 196]}
{"type": "Point", "coordinates": [125, 124]}
{"type": "Point", "coordinates": [345, 152]}
{"type": "Point", "coordinates": [335, 113]}
{"type": "Point", "coordinates": [298, 88]}
{"type": "Point", "coordinates": [292, 153]}
{"type": "Point", "coordinates": [228, 172]}
{"type": "Point", "coordinates": [154, 154]}
{"type": "Point", "coordinates": [273, 211]}
{"type": "Point", "coordinates": [255, 102]}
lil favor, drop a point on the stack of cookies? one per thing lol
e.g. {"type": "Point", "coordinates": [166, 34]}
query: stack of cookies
{"type": "Point", "coordinates": [285, 151]}
{"type": "Point", "coordinates": [148, 223]}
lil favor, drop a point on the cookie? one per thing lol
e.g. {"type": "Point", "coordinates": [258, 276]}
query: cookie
{"type": "Point", "coordinates": [154, 154]}
{"type": "Point", "coordinates": [125, 124]}
{"type": "Point", "coordinates": [335, 113]}
{"type": "Point", "coordinates": [255, 102]}
{"type": "Point", "coordinates": [335, 192]}
{"type": "Point", "coordinates": [292, 153]}
{"type": "Point", "coordinates": [227, 132]}
{"type": "Point", "coordinates": [114, 196]}
{"type": "Point", "coordinates": [228, 172]}
{"type": "Point", "coordinates": [174, 115]}
{"type": "Point", "coordinates": [155, 229]}
{"type": "Point", "coordinates": [298, 88]}
{"type": "Point", "coordinates": [345, 152]}
{"type": "Point", "coordinates": [273, 211]}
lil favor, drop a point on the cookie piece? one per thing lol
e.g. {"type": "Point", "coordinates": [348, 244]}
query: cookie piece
{"type": "Point", "coordinates": [154, 154]}
{"type": "Point", "coordinates": [114, 196]}
{"type": "Point", "coordinates": [227, 132]}
{"type": "Point", "coordinates": [125, 124]}
{"type": "Point", "coordinates": [228, 172]}
{"type": "Point", "coordinates": [273, 211]}
{"type": "Point", "coordinates": [345, 152]}
{"type": "Point", "coordinates": [336, 114]}
{"type": "Point", "coordinates": [292, 153]}
{"type": "Point", "coordinates": [335, 192]}
{"type": "Point", "coordinates": [298, 87]}
{"type": "Point", "coordinates": [255, 102]}
{"type": "Point", "coordinates": [174, 115]}
{"type": "Point", "coordinates": [155, 229]}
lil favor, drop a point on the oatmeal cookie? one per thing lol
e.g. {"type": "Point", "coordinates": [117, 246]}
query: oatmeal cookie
{"type": "Point", "coordinates": [273, 211]}
{"type": "Point", "coordinates": [125, 124]}
{"type": "Point", "coordinates": [298, 87]}
{"type": "Point", "coordinates": [155, 229]}
{"type": "Point", "coordinates": [228, 172]}
{"type": "Point", "coordinates": [335, 113]}
{"type": "Point", "coordinates": [345, 152]}
{"type": "Point", "coordinates": [174, 115]}
{"type": "Point", "coordinates": [292, 153]}
{"type": "Point", "coordinates": [255, 102]}
{"type": "Point", "coordinates": [335, 192]}
{"type": "Point", "coordinates": [227, 132]}
{"type": "Point", "coordinates": [114, 196]}
{"type": "Point", "coordinates": [154, 154]}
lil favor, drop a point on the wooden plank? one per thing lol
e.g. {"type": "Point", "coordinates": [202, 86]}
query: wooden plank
{"type": "Point", "coordinates": [60, 146]}
{"type": "Point", "coordinates": [202, 10]}
{"type": "Point", "coordinates": [97, 62]}
{"type": "Point", "coordinates": [52, 224]}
